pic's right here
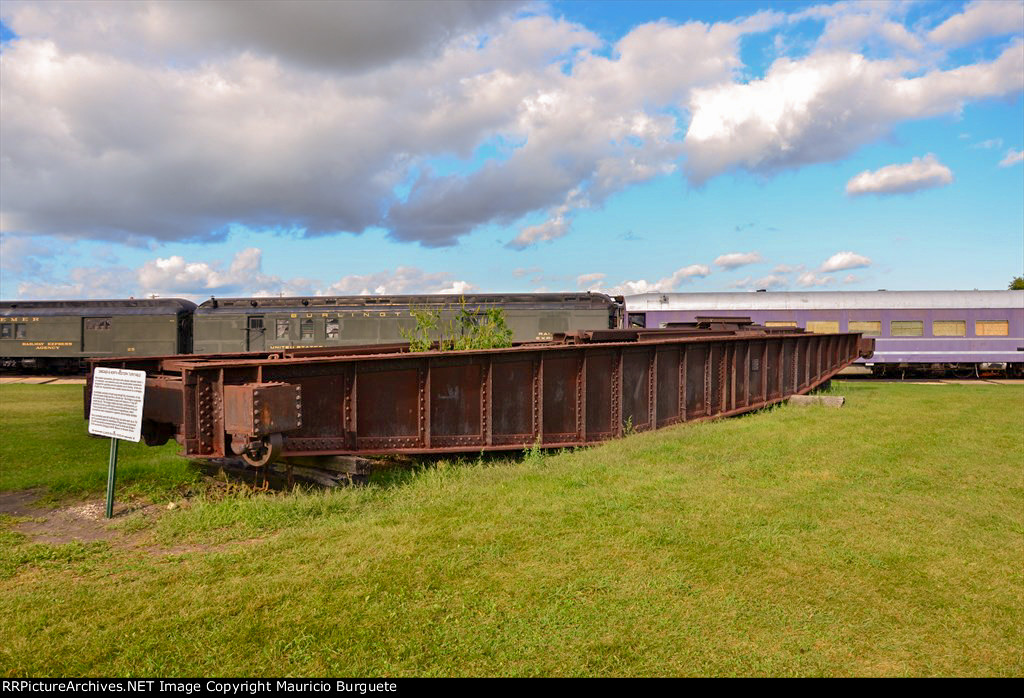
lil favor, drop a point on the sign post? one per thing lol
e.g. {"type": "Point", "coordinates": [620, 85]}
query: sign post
{"type": "Point", "coordinates": [115, 410]}
{"type": "Point", "coordinates": [111, 477]}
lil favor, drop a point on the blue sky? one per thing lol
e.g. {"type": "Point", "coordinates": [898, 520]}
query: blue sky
{"type": "Point", "coordinates": [197, 149]}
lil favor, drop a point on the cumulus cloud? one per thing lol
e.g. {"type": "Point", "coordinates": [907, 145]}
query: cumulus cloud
{"type": "Point", "coordinates": [402, 280]}
{"type": "Point", "coordinates": [669, 283]}
{"type": "Point", "coordinates": [1013, 157]}
{"type": "Point", "coordinates": [175, 276]}
{"type": "Point", "coordinates": [980, 20]}
{"type": "Point", "coordinates": [344, 34]}
{"type": "Point", "coordinates": [590, 282]}
{"type": "Point", "coordinates": [772, 281]}
{"type": "Point", "coordinates": [523, 271]}
{"type": "Point", "coordinates": [919, 173]}
{"type": "Point", "coordinates": [738, 259]}
{"type": "Point", "coordinates": [810, 279]}
{"type": "Point", "coordinates": [824, 106]}
{"type": "Point", "coordinates": [850, 25]}
{"type": "Point", "coordinates": [842, 260]}
{"type": "Point", "coordinates": [310, 116]}
{"type": "Point", "coordinates": [22, 254]}
{"type": "Point", "coordinates": [82, 282]}
{"type": "Point", "coordinates": [171, 120]}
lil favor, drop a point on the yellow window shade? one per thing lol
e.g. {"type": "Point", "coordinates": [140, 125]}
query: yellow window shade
{"type": "Point", "coordinates": [992, 328]}
{"type": "Point", "coordinates": [906, 328]}
{"type": "Point", "coordinates": [949, 328]}
{"type": "Point", "coordinates": [823, 326]}
{"type": "Point", "coordinates": [869, 328]}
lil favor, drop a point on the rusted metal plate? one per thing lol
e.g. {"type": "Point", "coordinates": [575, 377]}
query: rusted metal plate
{"type": "Point", "coordinates": [260, 409]}
{"type": "Point", "coordinates": [586, 387]}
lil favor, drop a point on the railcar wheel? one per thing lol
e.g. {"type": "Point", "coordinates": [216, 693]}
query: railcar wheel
{"type": "Point", "coordinates": [264, 451]}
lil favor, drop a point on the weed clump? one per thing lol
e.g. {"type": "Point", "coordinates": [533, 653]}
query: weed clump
{"type": "Point", "coordinates": [458, 328]}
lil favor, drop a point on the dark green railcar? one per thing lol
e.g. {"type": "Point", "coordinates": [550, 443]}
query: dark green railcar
{"type": "Point", "coordinates": [59, 335]}
{"type": "Point", "coordinates": [226, 325]}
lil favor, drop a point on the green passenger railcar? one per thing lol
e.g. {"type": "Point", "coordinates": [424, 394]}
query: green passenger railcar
{"type": "Point", "coordinates": [226, 325]}
{"type": "Point", "coordinates": [59, 335]}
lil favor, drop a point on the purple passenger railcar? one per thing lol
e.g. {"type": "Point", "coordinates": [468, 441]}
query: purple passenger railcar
{"type": "Point", "coordinates": [959, 331]}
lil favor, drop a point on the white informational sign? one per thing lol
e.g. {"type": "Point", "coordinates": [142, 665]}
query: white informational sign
{"type": "Point", "coordinates": [116, 406]}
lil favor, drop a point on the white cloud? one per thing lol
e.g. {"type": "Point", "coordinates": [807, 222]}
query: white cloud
{"type": "Point", "coordinates": [850, 279]}
{"type": "Point", "coordinates": [918, 174]}
{"type": "Point", "coordinates": [850, 25]}
{"type": "Point", "coordinates": [772, 281]}
{"type": "Point", "coordinates": [738, 259]}
{"type": "Point", "coordinates": [787, 268]}
{"type": "Point", "coordinates": [978, 21]}
{"type": "Point", "coordinates": [402, 280]}
{"type": "Point", "coordinates": [990, 143]}
{"type": "Point", "coordinates": [840, 261]}
{"type": "Point", "coordinates": [825, 106]}
{"type": "Point", "coordinates": [809, 278]}
{"type": "Point", "coordinates": [669, 283]}
{"type": "Point", "coordinates": [82, 282]}
{"type": "Point", "coordinates": [554, 227]}
{"type": "Point", "coordinates": [1013, 157]}
{"type": "Point", "coordinates": [590, 282]}
{"type": "Point", "coordinates": [310, 116]}
{"type": "Point", "coordinates": [523, 271]}
{"type": "Point", "coordinates": [21, 254]}
{"type": "Point", "coordinates": [175, 276]}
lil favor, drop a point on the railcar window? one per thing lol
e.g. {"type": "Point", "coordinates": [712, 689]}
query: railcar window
{"type": "Point", "coordinates": [868, 328]}
{"type": "Point", "coordinates": [307, 329]}
{"type": "Point", "coordinates": [332, 328]}
{"type": "Point", "coordinates": [284, 328]}
{"type": "Point", "coordinates": [19, 331]}
{"type": "Point", "coordinates": [97, 323]}
{"type": "Point", "coordinates": [906, 328]}
{"type": "Point", "coordinates": [5, 331]}
{"type": "Point", "coordinates": [780, 323]}
{"type": "Point", "coordinates": [949, 328]}
{"type": "Point", "coordinates": [992, 328]}
{"type": "Point", "coordinates": [823, 326]}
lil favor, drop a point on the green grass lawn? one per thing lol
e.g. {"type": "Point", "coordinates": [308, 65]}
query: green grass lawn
{"type": "Point", "coordinates": [44, 443]}
{"type": "Point", "coordinates": [885, 538]}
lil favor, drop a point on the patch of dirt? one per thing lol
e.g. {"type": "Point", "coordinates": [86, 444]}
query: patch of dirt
{"type": "Point", "coordinates": [86, 522]}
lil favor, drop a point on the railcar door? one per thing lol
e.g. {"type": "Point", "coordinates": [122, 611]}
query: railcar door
{"type": "Point", "coordinates": [257, 334]}
{"type": "Point", "coordinates": [97, 335]}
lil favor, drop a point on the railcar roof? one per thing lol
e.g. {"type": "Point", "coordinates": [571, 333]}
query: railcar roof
{"type": "Point", "coordinates": [129, 306]}
{"type": "Point", "coordinates": [324, 302]}
{"type": "Point", "coordinates": [825, 300]}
